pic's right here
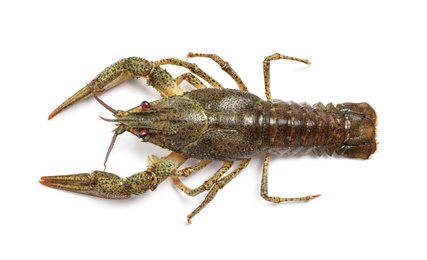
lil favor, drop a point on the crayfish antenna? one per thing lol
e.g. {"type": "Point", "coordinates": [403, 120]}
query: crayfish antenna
{"type": "Point", "coordinates": [109, 149]}
{"type": "Point", "coordinates": [103, 104]}
{"type": "Point", "coordinates": [117, 132]}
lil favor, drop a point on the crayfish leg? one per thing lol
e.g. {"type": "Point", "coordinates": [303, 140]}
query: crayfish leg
{"type": "Point", "coordinates": [190, 78]}
{"type": "Point", "coordinates": [266, 64]}
{"type": "Point", "coordinates": [189, 170]}
{"type": "Point", "coordinates": [219, 184]}
{"type": "Point", "coordinates": [224, 66]}
{"type": "Point", "coordinates": [206, 185]}
{"type": "Point", "coordinates": [192, 67]}
{"type": "Point", "coordinates": [264, 186]}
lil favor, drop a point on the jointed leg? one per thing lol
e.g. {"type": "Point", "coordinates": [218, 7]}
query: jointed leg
{"type": "Point", "coordinates": [192, 67]}
{"type": "Point", "coordinates": [190, 78]}
{"type": "Point", "coordinates": [266, 64]}
{"type": "Point", "coordinates": [264, 184]}
{"type": "Point", "coordinates": [218, 185]}
{"type": "Point", "coordinates": [206, 185]}
{"type": "Point", "coordinates": [189, 170]}
{"type": "Point", "coordinates": [224, 66]}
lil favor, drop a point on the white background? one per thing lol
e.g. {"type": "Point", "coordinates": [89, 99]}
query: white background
{"type": "Point", "coordinates": [373, 51]}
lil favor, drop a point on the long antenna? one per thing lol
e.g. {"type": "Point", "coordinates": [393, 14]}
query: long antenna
{"type": "Point", "coordinates": [115, 132]}
{"type": "Point", "coordinates": [110, 148]}
{"type": "Point", "coordinates": [103, 104]}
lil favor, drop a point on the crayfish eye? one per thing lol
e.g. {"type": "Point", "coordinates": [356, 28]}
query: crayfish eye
{"type": "Point", "coordinates": [142, 134]}
{"type": "Point", "coordinates": [145, 105]}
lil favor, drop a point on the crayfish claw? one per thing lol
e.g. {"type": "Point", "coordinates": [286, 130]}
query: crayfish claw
{"type": "Point", "coordinates": [78, 96]}
{"type": "Point", "coordinates": [98, 183]}
{"type": "Point", "coordinates": [110, 77]}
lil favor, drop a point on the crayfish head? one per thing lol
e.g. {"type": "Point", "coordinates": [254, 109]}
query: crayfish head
{"type": "Point", "coordinates": [170, 123]}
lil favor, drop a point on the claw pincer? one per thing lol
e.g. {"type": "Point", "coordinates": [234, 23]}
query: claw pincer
{"type": "Point", "coordinates": [110, 77]}
{"type": "Point", "coordinates": [97, 183]}
{"type": "Point", "coordinates": [111, 186]}
{"type": "Point", "coordinates": [102, 184]}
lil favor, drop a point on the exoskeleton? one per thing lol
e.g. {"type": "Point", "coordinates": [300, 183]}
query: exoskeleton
{"type": "Point", "coordinates": [215, 124]}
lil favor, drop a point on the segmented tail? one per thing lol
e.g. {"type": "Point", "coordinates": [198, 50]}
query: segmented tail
{"type": "Point", "coordinates": [349, 129]}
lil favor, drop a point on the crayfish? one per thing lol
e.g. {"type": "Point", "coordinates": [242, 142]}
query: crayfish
{"type": "Point", "coordinates": [215, 124]}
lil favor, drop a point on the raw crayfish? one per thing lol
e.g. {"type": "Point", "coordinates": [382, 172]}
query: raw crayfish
{"type": "Point", "coordinates": [215, 124]}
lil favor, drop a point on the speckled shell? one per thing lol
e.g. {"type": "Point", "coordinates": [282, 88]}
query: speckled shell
{"type": "Point", "coordinates": [227, 125]}
{"type": "Point", "coordinates": [347, 129]}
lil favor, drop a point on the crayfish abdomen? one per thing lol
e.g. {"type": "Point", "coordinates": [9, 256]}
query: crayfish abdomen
{"type": "Point", "coordinates": [347, 129]}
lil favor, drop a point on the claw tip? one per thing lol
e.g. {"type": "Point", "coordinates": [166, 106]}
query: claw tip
{"type": "Point", "coordinates": [43, 182]}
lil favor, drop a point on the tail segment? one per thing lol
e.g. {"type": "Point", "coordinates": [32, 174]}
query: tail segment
{"type": "Point", "coordinates": [360, 130]}
{"type": "Point", "coordinates": [349, 129]}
